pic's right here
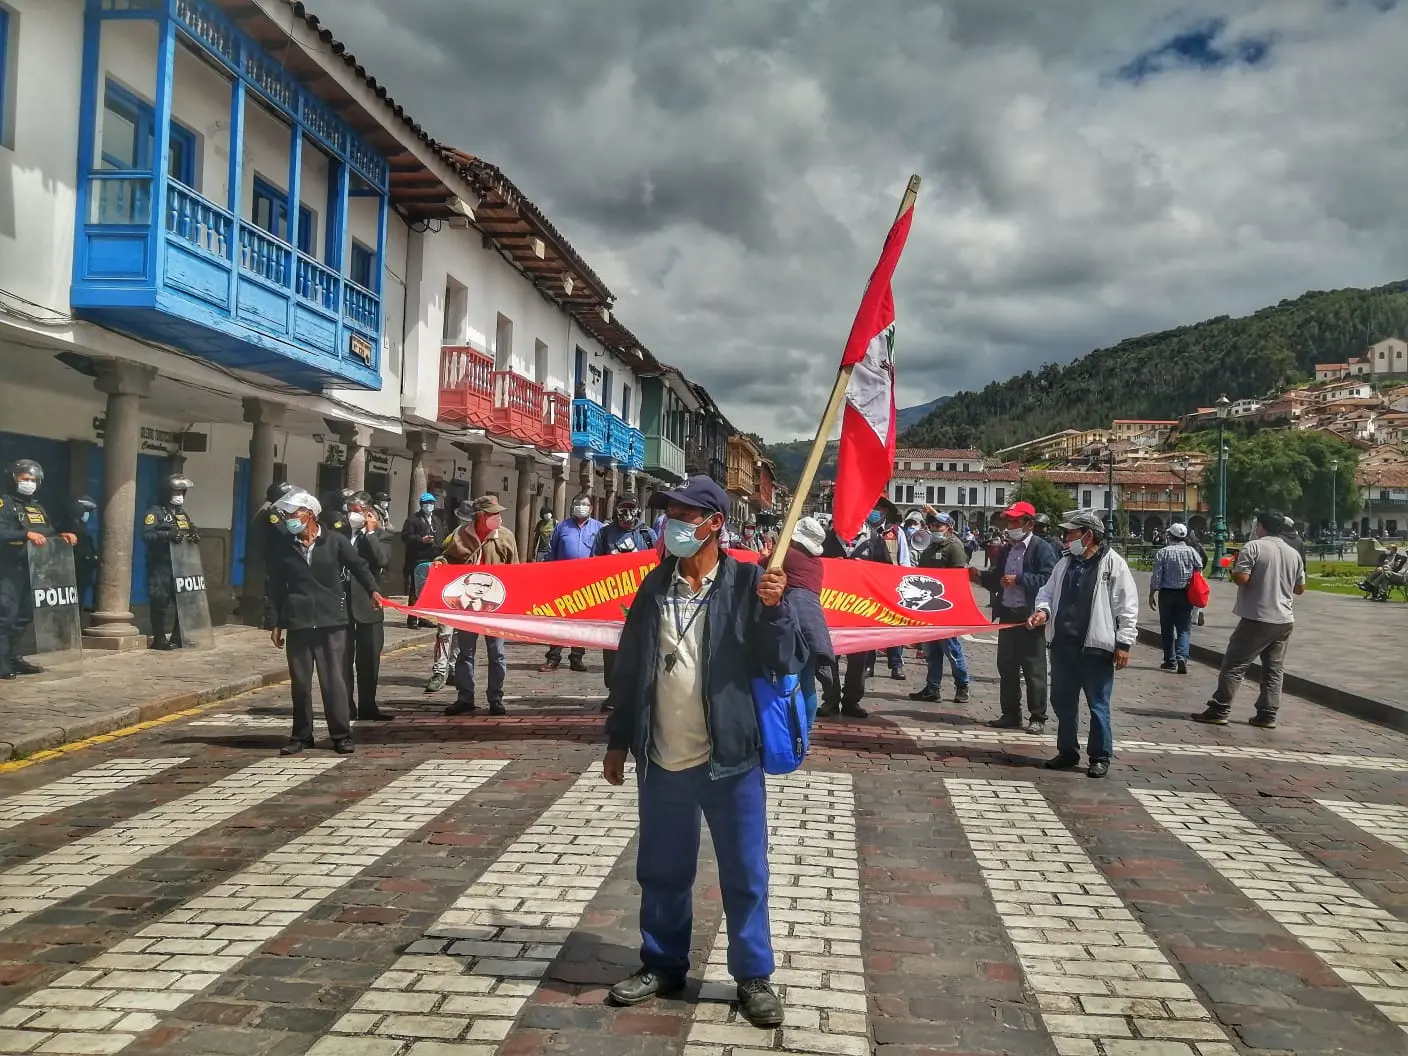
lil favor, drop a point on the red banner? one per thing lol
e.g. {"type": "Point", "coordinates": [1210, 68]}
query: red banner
{"type": "Point", "coordinates": [584, 603]}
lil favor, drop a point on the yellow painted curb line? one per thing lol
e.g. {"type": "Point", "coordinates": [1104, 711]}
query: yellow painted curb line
{"type": "Point", "coordinates": [46, 754]}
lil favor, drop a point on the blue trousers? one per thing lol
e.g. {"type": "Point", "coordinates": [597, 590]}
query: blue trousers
{"type": "Point", "coordinates": [468, 642]}
{"type": "Point", "coordinates": [806, 682]}
{"type": "Point", "coordinates": [667, 857]}
{"type": "Point", "coordinates": [1074, 671]}
{"type": "Point", "coordinates": [934, 653]}
{"type": "Point", "coordinates": [1175, 624]}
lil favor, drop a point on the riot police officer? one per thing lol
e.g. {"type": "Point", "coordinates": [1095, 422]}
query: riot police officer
{"type": "Point", "coordinates": [23, 522]}
{"type": "Point", "coordinates": [85, 552]}
{"type": "Point", "coordinates": [164, 524]}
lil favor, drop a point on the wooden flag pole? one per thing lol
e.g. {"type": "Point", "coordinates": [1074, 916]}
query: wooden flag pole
{"type": "Point", "coordinates": [828, 423]}
{"type": "Point", "coordinates": [823, 431]}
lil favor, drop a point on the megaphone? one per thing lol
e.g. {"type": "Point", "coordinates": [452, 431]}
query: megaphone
{"type": "Point", "coordinates": [921, 538]}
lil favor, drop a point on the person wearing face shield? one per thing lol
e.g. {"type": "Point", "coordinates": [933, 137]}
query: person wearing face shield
{"type": "Point", "coordinates": [572, 540]}
{"type": "Point", "coordinates": [1019, 571]}
{"type": "Point", "coordinates": [421, 536]}
{"type": "Point", "coordinates": [480, 539]}
{"type": "Point", "coordinates": [23, 522]}
{"type": "Point", "coordinates": [945, 550]}
{"type": "Point", "coordinates": [701, 627]}
{"type": "Point", "coordinates": [306, 610]}
{"type": "Point", "coordinates": [366, 623]}
{"type": "Point", "coordinates": [164, 524]}
{"type": "Point", "coordinates": [624, 535]}
{"type": "Point", "coordinates": [1090, 609]}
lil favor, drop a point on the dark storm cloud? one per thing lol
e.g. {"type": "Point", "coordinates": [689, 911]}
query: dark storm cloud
{"type": "Point", "coordinates": [730, 167]}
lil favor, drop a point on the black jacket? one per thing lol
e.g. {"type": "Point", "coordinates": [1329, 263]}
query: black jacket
{"type": "Point", "coordinates": [162, 526]}
{"type": "Point", "coordinates": [417, 527]}
{"type": "Point", "coordinates": [742, 638]}
{"type": "Point", "coordinates": [371, 548]}
{"type": "Point", "coordinates": [870, 547]}
{"type": "Point", "coordinates": [302, 594]}
{"type": "Point", "coordinates": [611, 537]}
{"type": "Point", "coordinates": [1037, 566]}
{"type": "Point", "coordinates": [18, 517]}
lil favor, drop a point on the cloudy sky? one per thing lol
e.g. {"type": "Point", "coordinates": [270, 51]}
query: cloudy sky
{"type": "Point", "coordinates": [1093, 169]}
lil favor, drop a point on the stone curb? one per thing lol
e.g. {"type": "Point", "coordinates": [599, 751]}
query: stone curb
{"type": "Point", "coordinates": [1371, 709]}
{"type": "Point", "coordinates": [121, 718]}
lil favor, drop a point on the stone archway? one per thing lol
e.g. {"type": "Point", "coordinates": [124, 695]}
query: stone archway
{"type": "Point", "coordinates": [1198, 523]}
{"type": "Point", "coordinates": [1152, 525]}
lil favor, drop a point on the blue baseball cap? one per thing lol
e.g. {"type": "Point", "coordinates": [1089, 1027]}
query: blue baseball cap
{"type": "Point", "coordinates": [427, 497]}
{"type": "Point", "coordinates": [703, 493]}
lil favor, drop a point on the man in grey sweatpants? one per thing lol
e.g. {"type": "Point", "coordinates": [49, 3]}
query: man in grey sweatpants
{"type": "Point", "coordinates": [1269, 573]}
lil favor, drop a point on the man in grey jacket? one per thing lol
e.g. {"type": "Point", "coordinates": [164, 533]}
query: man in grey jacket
{"type": "Point", "coordinates": [1090, 609]}
{"type": "Point", "coordinates": [944, 550]}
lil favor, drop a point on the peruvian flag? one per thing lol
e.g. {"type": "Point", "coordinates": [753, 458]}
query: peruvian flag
{"type": "Point", "coordinates": [867, 454]}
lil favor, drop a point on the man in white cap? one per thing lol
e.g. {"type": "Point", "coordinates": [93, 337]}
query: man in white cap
{"type": "Point", "coordinates": [1174, 566]}
{"type": "Point", "coordinates": [306, 605]}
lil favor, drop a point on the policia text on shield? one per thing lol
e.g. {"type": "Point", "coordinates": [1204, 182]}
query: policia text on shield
{"type": "Point", "coordinates": [175, 575]}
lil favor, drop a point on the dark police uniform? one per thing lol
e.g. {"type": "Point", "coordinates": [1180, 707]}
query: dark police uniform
{"type": "Point", "coordinates": [163, 525]}
{"type": "Point", "coordinates": [18, 517]}
{"type": "Point", "coordinates": [366, 625]}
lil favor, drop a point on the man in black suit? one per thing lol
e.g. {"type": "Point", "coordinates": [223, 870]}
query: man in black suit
{"type": "Point", "coordinates": [366, 628]}
{"type": "Point", "coordinates": [840, 698]}
{"type": "Point", "coordinates": [1019, 572]}
{"type": "Point", "coordinates": [305, 594]}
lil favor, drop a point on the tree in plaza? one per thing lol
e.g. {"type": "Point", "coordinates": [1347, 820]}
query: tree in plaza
{"type": "Point", "coordinates": [1048, 498]}
{"type": "Point", "coordinates": [1283, 469]}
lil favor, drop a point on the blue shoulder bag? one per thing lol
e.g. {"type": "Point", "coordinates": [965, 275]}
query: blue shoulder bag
{"type": "Point", "coordinates": [782, 722]}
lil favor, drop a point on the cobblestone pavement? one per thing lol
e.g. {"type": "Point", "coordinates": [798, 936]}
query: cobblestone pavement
{"type": "Point", "coordinates": [463, 887]}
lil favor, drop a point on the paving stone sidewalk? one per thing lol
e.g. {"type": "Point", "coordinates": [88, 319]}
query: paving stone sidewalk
{"type": "Point", "coordinates": [116, 690]}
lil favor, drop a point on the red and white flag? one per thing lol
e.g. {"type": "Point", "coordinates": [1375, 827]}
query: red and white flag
{"type": "Point", "coordinates": [867, 454]}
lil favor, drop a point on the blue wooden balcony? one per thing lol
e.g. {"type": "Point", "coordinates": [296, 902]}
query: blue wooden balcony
{"type": "Point", "coordinates": [233, 282]}
{"type": "Point", "coordinates": [589, 429]}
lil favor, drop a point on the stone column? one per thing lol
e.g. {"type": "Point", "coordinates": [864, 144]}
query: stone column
{"type": "Point", "coordinates": [479, 455]}
{"type": "Point", "coordinates": [609, 488]}
{"type": "Point", "coordinates": [584, 477]}
{"type": "Point", "coordinates": [125, 384]}
{"type": "Point", "coordinates": [523, 507]}
{"type": "Point", "coordinates": [421, 444]}
{"type": "Point", "coordinates": [559, 492]}
{"type": "Point", "coordinates": [264, 418]}
{"type": "Point", "coordinates": [356, 438]}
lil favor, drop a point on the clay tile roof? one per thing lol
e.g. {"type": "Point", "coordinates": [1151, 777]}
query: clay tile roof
{"type": "Point", "coordinates": [934, 452]}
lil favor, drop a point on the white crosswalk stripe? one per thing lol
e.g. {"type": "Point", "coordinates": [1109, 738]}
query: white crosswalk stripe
{"type": "Point", "coordinates": [963, 735]}
{"type": "Point", "coordinates": [1388, 823]}
{"type": "Point", "coordinates": [104, 1005]}
{"type": "Point", "coordinates": [1103, 985]}
{"type": "Point", "coordinates": [1366, 946]}
{"type": "Point", "coordinates": [814, 909]}
{"type": "Point", "coordinates": [468, 978]}
{"type": "Point", "coordinates": [51, 878]}
{"type": "Point", "coordinates": [82, 787]}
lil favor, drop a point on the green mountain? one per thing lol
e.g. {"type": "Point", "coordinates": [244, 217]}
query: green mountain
{"type": "Point", "coordinates": [908, 416]}
{"type": "Point", "coordinates": [791, 456]}
{"type": "Point", "coordinates": [1167, 374]}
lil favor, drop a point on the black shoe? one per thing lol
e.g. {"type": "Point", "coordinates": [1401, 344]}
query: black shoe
{"type": "Point", "coordinates": [21, 666]}
{"type": "Point", "coordinates": [828, 711]}
{"type": "Point", "coordinates": [344, 746]}
{"type": "Point", "coordinates": [1098, 768]}
{"type": "Point", "coordinates": [177, 643]}
{"type": "Point", "coordinates": [1183, 667]}
{"type": "Point", "coordinates": [644, 985]}
{"type": "Point", "coordinates": [1212, 716]}
{"type": "Point", "coordinates": [929, 695]}
{"type": "Point", "coordinates": [854, 711]}
{"type": "Point", "coordinates": [606, 708]}
{"type": "Point", "coordinates": [294, 747]}
{"type": "Point", "coordinates": [436, 684]}
{"type": "Point", "coordinates": [759, 1003]}
{"type": "Point", "coordinates": [1005, 723]}
{"type": "Point", "coordinates": [548, 667]}
{"type": "Point", "coordinates": [497, 709]}
{"type": "Point", "coordinates": [960, 693]}
{"type": "Point", "coordinates": [1036, 727]}
{"type": "Point", "coordinates": [1263, 721]}
{"type": "Point", "coordinates": [8, 676]}
{"type": "Point", "coordinates": [376, 715]}
{"type": "Point", "coordinates": [897, 673]}
{"type": "Point", "coordinates": [460, 707]}
{"type": "Point", "coordinates": [1062, 762]}
{"type": "Point", "coordinates": [577, 665]}
{"type": "Point", "coordinates": [160, 644]}
{"type": "Point", "coordinates": [412, 622]}
{"type": "Point", "coordinates": [1168, 666]}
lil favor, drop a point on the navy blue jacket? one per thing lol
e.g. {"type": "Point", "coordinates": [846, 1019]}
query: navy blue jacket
{"type": "Point", "coordinates": [1037, 565]}
{"type": "Point", "coordinates": [742, 638]}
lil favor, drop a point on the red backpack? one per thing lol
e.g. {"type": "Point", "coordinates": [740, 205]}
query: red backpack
{"type": "Point", "coordinates": [1199, 592]}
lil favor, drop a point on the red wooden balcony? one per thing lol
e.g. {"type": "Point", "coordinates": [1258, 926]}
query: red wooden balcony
{"type": "Point", "coordinates": [557, 421]}
{"type": "Point", "coordinates": [466, 387]}
{"type": "Point", "coordinates": [518, 408]}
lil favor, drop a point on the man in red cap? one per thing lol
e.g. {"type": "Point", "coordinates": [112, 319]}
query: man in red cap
{"type": "Point", "coordinates": [1020, 571]}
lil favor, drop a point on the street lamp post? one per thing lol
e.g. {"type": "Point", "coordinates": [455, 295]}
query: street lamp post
{"type": "Point", "coordinates": [1110, 494]}
{"type": "Point", "coordinates": [1219, 524]}
{"type": "Point", "coordinates": [1183, 475]}
{"type": "Point", "coordinates": [1334, 504]}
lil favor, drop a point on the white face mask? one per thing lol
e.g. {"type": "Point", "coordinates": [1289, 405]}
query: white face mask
{"type": "Point", "coordinates": [1017, 535]}
{"type": "Point", "coordinates": [26, 487]}
{"type": "Point", "coordinates": [581, 512]}
{"type": "Point", "coordinates": [427, 507]}
{"type": "Point", "coordinates": [357, 521]}
{"type": "Point", "coordinates": [1076, 547]}
{"type": "Point", "coordinates": [178, 500]}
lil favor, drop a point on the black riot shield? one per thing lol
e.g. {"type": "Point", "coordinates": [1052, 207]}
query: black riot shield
{"type": "Point", "coordinates": [192, 607]}
{"type": "Point", "coordinates": [54, 640]}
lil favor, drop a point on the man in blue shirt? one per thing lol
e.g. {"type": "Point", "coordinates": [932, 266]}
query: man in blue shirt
{"type": "Point", "coordinates": [573, 539]}
{"type": "Point", "coordinates": [1174, 566]}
